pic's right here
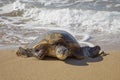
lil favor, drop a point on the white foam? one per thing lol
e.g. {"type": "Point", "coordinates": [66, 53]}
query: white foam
{"type": "Point", "coordinates": [6, 8]}
{"type": "Point", "coordinates": [76, 20]}
{"type": "Point", "coordinates": [17, 5]}
{"type": "Point", "coordinates": [86, 37]}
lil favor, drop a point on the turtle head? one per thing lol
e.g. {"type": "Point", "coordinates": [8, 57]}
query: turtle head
{"type": "Point", "coordinates": [24, 52]}
{"type": "Point", "coordinates": [62, 52]}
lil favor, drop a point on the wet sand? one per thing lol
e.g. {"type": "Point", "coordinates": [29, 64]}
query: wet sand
{"type": "Point", "coordinates": [13, 67]}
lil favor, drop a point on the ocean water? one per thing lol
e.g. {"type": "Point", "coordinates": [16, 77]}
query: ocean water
{"type": "Point", "coordinates": [21, 21]}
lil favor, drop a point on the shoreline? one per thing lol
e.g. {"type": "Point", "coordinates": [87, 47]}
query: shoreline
{"type": "Point", "coordinates": [106, 48]}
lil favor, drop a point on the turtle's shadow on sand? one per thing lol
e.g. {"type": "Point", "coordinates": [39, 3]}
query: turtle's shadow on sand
{"type": "Point", "coordinates": [83, 62]}
{"type": "Point", "coordinates": [76, 62]}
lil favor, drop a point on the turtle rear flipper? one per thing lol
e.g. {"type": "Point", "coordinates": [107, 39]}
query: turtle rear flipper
{"type": "Point", "coordinates": [94, 51]}
{"type": "Point", "coordinates": [21, 51]}
{"type": "Point", "coordinates": [24, 52]}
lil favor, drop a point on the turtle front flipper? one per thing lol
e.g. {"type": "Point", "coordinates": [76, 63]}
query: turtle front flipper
{"type": "Point", "coordinates": [40, 54]}
{"type": "Point", "coordinates": [41, 50]}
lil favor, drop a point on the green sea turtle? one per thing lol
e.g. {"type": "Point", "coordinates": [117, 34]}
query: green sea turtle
{"type": "Point", "coordinates": [59, 44]}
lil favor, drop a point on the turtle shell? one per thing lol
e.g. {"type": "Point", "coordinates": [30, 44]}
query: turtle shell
{"type": "Point", "coordinates": [53, 36]}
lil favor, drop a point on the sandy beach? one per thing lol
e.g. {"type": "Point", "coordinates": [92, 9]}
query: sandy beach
{"type": "Point", "coordinates": [13, 67]}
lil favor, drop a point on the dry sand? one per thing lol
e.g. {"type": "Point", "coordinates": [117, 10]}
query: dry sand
{"type": "Point", "coordinates": [19, 68]}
